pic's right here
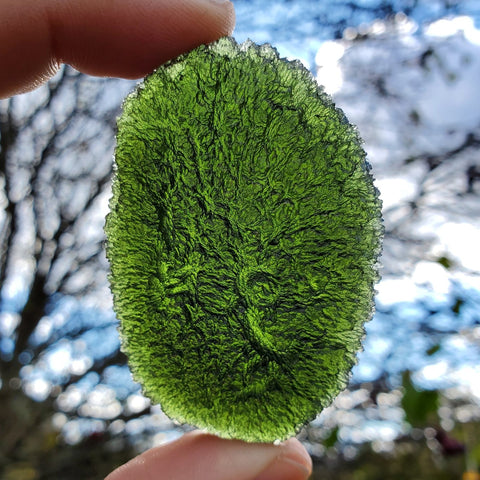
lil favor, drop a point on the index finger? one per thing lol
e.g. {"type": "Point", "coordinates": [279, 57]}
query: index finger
{"type": "Point", "coordinates": [121, 38]}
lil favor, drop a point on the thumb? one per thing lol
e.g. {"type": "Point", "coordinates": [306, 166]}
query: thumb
{"type": "Point", "coordinates": [198, 456]}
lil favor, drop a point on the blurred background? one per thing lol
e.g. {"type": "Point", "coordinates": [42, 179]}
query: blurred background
{"type": "Point", "coordinates": [407, 73]}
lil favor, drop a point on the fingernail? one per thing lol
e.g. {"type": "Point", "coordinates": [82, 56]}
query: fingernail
{"type": "Point", "coordinates": [291, 463]}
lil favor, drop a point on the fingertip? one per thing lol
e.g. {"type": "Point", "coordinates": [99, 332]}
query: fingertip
{"type": "Point", "coordinates": [297, 456]}
{"type": "Point", "coordinates": [199, 455]}
{"type": "Point", "coordinates": [296, 450]}
{"type": "Point", "coordinates": [225, 11]}
{"type": "Point", "coordinates": [125, 38]}
{"type": "Point", "coordinates": [230, 18]}
{"type": "Point", "coordinates": [136, 37]}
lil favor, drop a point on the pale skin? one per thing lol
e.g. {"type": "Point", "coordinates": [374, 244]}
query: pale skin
{"type": "Point", "coordinates": [128, 39]}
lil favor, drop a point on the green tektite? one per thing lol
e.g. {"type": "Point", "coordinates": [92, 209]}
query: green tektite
{"type": "Point", "coordinates": [243, 241]}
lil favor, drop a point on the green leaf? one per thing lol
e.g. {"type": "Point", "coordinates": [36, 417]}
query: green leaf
{"type": "Point", "coordinates": [456, 307]}
{"type": "Point", "coordinates": [243, 240]}
{"type": "Point", "coordinates": [332, 438]}
{"type": "Point", "coordinates": [445, 262]}
{"type": "Point", "coordinates": [420, 406]}
{"type": "Point", "coordinates": [433, 349]}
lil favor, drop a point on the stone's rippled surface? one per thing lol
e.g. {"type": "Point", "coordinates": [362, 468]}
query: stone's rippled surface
{"type": "Point", "coordinates": [243, 240]}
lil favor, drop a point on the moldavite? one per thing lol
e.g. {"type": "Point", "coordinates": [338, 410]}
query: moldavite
{"type": "Point", "coordinates": [243, 240]}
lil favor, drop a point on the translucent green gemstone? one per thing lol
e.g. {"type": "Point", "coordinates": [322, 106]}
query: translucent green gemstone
{"type": "Point", "coordinates": [243, 240]}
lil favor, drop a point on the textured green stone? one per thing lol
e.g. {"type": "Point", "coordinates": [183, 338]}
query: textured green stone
{"type": "Point", "coordinates": [243, 241]}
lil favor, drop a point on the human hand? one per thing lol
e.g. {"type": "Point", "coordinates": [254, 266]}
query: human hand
{"type": "Point", "coordinates": [198, 456]}
{"type": "Point", "coordinates": [121, 38]}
